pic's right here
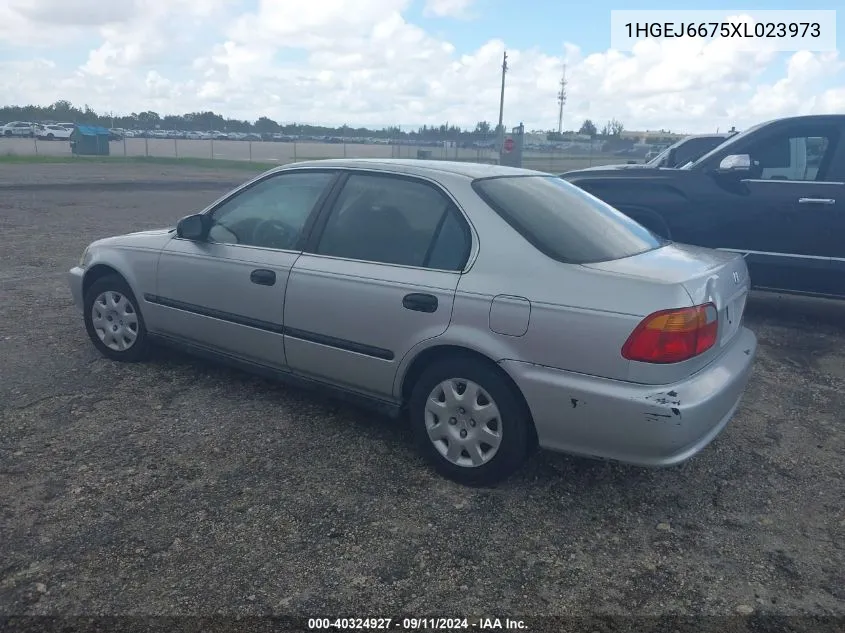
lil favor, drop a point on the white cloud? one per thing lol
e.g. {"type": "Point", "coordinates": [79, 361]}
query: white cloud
{"type": "Point", "coordinates": [362, 62]}
{"type": "Point", "coordinates": [78, 13]}
{"type": "Point", "coordinates": [160, 33]}
{"type": "Point", "coordinates": [794, 91]}
{"type": "Point", "coordinates": [832, 100]}
{"type": "Point", "coordinates": [448, 8]}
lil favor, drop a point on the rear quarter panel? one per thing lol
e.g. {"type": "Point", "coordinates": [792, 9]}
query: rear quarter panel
{"type": "Point", "coordinates": [579, 318]}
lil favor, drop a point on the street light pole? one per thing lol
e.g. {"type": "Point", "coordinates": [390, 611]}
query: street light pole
{"type": "Point", "coordinates": [502, 98]}
{"type": "Point", "coordinates": [561, 99]}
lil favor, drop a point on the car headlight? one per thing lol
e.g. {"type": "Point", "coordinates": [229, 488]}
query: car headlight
{"type": "Point", "coordinates": [86, 257]}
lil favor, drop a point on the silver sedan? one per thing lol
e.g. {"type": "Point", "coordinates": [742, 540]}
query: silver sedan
{"type": "Point", "coordinates": [501, 309]}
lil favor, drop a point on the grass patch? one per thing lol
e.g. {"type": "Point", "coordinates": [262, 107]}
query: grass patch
{"type": "Point", "coordinates": [206, 163]}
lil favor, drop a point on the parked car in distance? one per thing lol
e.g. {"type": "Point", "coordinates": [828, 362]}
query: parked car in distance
{"type": "Point", "coordinates": [501, 308]}
{"type": "Point", "coordinates": [18, 128]}
{"type": "Point", "coordinates": [774, 194]}
{"type": "Point", "coordinates": [52, 132]}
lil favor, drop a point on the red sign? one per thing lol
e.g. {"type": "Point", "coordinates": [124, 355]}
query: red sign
{"type": "Point", "coordinates": [508, 146]}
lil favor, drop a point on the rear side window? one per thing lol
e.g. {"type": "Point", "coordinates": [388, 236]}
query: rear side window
{"type": "Point", "coordinates": [563, 221]}
{"type": "Point", "coordinates": [395, 220]}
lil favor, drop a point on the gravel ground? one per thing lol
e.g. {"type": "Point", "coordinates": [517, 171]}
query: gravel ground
{"type": "Point", "coordinates": [180, 487]}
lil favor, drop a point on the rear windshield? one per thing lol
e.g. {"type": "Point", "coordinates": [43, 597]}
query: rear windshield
{"type": "Point", "coordinates": [563, 221]}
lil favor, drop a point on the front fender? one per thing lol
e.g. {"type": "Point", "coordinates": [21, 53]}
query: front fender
{"type": "Point", "coordinates": [136, 265]}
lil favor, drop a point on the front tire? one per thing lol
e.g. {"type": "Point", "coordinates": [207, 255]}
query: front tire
{"type": "Point", "coordinates": [114, 321]}
{"type": "Point", "coordinates": [468, 421]}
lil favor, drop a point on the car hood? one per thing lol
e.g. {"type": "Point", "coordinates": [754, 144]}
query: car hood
{"type": "Point", "coordinates": [612, 167]}
{"type": "Point", "coordinates": [155, 238]}
{"type": "Point", "coordinates": [612, 172]}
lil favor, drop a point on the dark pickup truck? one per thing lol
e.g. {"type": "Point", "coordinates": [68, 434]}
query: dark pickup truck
{"type": "Point", "coordinates": [775, 193]}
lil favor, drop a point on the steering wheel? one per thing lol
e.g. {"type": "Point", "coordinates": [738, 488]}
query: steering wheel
{"type": "Point", "coordinates": [274, 234]}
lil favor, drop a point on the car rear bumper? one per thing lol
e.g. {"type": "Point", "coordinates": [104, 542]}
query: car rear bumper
{"type": "Point", "coordinates": [74, 281]}
{"type": "Point", "coordinates": [645, 425]}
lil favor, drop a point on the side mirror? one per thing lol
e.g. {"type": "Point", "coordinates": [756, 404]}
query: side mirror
{"type": "Point", "coordinates": [193, 227]}
{"type": "Point", "coordinates": [735, 162]}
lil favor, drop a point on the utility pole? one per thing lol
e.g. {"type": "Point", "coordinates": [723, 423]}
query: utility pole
{"type": "Point", "coordinates": [502, 96]}
{"type": "Point", "coordinates": [561, 99]}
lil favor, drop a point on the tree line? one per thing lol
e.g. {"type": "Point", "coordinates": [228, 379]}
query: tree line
{"type": "Point", "coordinates": [64, 111]}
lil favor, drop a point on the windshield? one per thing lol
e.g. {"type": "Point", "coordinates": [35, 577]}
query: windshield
{"type": "Point", "coordinates": [655, 162]}
{"type": "Point", "coordinates": [564, 221]}
{"type": "Point", "coordinates": [688, 150]}
{"type": "Point", "coordinates": [728, 143]}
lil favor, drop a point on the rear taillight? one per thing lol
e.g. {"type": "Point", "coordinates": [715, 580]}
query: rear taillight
{"type": "Point", "coordinates": [672, 336]}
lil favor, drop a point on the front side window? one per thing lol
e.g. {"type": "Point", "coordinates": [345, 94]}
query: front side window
{"type": "Point", "coordinates": [792, 155]}
{"type": "Point", "coordinates": [271, 213]}
{"type": "Point", "coordinates": [395, 220]}
{"type": "Point", "coordinates": [563, 221]}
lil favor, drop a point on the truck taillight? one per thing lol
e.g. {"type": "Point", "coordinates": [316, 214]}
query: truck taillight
{"type": "Point", "coordinates": [672, 336]}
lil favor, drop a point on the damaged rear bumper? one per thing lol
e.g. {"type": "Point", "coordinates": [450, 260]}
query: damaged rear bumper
{"type": "Point", "coordinates": [645, 425]}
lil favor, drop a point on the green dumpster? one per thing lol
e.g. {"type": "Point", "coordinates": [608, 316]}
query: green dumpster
{"type": "Point", "coordinates": [89, 140]}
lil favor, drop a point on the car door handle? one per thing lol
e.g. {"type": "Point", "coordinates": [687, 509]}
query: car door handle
{"type": "Point", "coordinates": [816, 201]}
{"type": "Point", "coordinates": [420, 302]}
{"type": "Point", "coordinates": [263, 277]}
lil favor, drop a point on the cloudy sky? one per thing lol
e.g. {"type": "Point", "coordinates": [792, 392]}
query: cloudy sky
{"type": "Point", "coordinates": [399, 62]}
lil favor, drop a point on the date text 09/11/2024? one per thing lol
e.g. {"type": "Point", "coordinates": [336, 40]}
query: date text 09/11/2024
{"type": "Point", "coordinates": [413, 624]}
{"type": "Point", "coordinates": [761, 30]}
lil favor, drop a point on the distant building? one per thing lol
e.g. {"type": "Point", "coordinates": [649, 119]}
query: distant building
{"type": "Point", "coordinates": [651, 136]}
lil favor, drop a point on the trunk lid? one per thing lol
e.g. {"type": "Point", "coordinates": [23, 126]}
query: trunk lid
{"type": "Point", "coordinates": [706, 275]}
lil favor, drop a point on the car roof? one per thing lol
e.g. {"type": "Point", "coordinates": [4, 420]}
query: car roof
{"type": "Point", "coordinates": [714, 135]}
{"type": "Point", "coordinates": [419, 167]}
{"type": "Point", "coordinates": [809, 118]}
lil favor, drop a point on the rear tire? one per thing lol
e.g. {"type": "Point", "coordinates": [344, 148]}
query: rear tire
{"type": "Point", "coordinates": [468, 423]}
{"type": "Point", "coordinates": [114, 321]}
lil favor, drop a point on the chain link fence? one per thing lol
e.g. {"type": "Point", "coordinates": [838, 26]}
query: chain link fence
{"type": "Point", "coordinates": [549, 157]}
